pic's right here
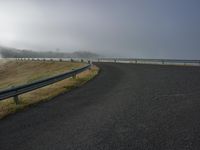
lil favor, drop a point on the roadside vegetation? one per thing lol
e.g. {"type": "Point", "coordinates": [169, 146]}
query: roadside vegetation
{"type": "Point", "coordinates": [14, 73]}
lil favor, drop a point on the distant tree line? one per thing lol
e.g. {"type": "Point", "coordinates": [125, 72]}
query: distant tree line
{"type": "Point", "coordinates": [15, 53]}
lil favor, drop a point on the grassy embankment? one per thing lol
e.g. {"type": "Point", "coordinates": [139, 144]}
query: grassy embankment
{"type": "Point", "coordinates": [14, 73]}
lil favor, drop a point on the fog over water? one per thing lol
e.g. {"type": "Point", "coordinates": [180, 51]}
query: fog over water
{"type": "Point", "coordinates": [113, 28]}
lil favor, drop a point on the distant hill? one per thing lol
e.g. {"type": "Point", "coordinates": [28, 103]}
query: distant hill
{"type": "Point", "coordinates": [6, 52]}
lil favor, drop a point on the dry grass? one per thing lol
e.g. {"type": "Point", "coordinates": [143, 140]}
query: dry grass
{"type": "Point", "coordinates": [14, 73]}
{"type": "Point", "coordinates": [43, 94]}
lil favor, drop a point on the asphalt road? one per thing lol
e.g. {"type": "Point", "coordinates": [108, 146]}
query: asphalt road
{"type": "Point", "coordinates": [136, 107]}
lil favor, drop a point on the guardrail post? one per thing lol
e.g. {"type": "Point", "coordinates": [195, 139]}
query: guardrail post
{"type": "Point", "coordinates": [16, 99]}
{"type": "Point", "coordinates": [74, 76]}
{"type": "Point", "coordinates": [136, 61]}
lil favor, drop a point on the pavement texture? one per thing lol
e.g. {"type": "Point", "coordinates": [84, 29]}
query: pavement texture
{"type": "Point", "coordinates": [127, 106]}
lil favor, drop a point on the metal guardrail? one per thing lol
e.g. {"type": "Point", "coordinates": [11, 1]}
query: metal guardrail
{"type": "Point", "coordinates": [149, 61]}
{"type": "Point", "coordinates": [178, 62]}
{"type": "Point", "coordinates": [14, 92]}
{"type": "Point", "coordinates": [124, 60]}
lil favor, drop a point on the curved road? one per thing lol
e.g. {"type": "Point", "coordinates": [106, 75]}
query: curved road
{"type": "Point", "coordinates": [141, 107]}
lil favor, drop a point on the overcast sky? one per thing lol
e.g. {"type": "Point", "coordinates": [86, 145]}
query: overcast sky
{"type": "Point", "coordinates": [118, 28]}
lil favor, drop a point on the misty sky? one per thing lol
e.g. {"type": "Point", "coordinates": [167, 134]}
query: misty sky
{"type": "Point", "coordinates": [117, 28]}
